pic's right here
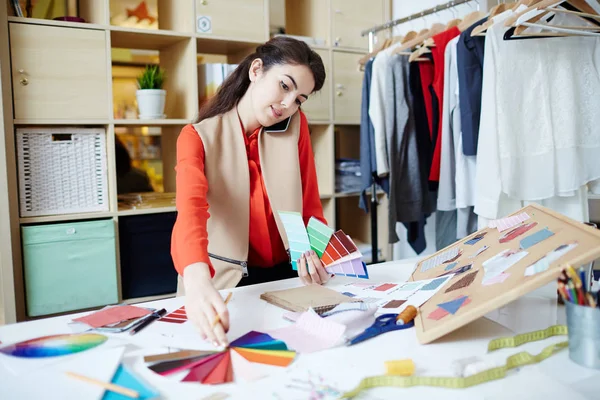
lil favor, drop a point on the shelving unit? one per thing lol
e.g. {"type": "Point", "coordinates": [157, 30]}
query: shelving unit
{"type": "Point", "coordinates": [72, 90]}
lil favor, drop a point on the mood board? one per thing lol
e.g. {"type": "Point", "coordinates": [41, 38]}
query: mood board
{"type": "Point", "coordinates": [500, 263]}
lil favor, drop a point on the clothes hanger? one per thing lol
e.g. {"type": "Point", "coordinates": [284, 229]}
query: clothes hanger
{"type": "Point", "coordinates": [471, 18]}
{"type": "Point", "coordinates": [454, 21]}
{"type": "Point", "coordinates": [497, 10]}
{"type": "Point", "coordinates": [531, 16]}
{"type": "Point", "coordinates": [434, 30]}
{"type": "Point", "coordinates": [363, 60]}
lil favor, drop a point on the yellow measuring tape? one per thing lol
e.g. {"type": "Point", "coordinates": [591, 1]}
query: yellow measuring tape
{"type": "Point", "coordinates": [514, 361]}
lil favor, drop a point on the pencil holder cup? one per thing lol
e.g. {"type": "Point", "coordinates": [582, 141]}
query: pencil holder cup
{"type": "Point", "coordinates": [583, 324]}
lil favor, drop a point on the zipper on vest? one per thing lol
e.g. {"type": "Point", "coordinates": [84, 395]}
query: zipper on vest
{"type": "Point", "coordinates": [243, 264]}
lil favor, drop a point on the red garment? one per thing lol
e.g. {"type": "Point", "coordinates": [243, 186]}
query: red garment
{"type": "Point", "coordinates": [190, 244]}
{"type": "Point", "coordinates": [441, 41]}
{"type": "Point", "coordinates": [426, 72]}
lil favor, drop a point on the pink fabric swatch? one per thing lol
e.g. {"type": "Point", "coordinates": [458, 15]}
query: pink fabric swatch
{"type": "Point", "coordinates": [508, 222]}
{"type": "Point", "coordinates": [112, 315]}
{"type": "Point", "coordinates": [440, 313]}
{"type": "Point", "coordinates": [496, 279]}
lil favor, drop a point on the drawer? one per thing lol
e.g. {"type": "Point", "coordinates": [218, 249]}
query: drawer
{"type": "Point", "coordinates": [233, 19]}
{"type": "Point", "coordinates": [350, 17]}
{"type": "Point", "coordinates": [59, 73]}
{"type": "Point", "coordinates": [347, 88]}
{"type": "Point", "coordinates": [69, 266]}
{"type": "Point", "coordinates": [318, 105]}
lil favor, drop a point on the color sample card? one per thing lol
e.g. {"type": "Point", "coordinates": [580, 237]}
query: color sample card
{"type": "Point", "coordinates": [319, 235]}
{"type": "Point", "coordinates": [112, 315]}
{"type": "Point", "coordinates": [385, 286]}
{"type": "Point", "coordinates": [175, 317]}
{"type": "Point", "coordinates": [353, 268]}
{"type": "Point", "coordinates": [296, 235]}
{"type": "Point", "coordinates": [127, 379]}
{"type": "Point", "coordinates": [339, 246]}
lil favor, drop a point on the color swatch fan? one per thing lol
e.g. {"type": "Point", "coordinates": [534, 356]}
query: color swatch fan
{"type": "Point", "coordinates": [216, 367]}
{"type": "Point", "coordinates": [337, 251]}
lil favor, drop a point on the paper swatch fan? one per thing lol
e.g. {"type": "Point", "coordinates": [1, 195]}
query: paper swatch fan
{"type": "Point", "coordinates": [216, 367]}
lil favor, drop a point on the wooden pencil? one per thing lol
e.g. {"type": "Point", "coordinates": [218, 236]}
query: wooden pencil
{"type": "Point", "coordinates": [108, 386]}
{"type": "Point", "coordinates": [217, 318]}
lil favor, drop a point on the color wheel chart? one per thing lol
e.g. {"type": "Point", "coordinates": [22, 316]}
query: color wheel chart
{"type": "Point", "coordinates": [54, 345]}
{"type": "Point", "coordinates": [217, 367]}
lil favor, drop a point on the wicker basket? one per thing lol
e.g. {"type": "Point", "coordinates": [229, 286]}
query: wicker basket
{"type": "Point", "coordinates": [62, 170]}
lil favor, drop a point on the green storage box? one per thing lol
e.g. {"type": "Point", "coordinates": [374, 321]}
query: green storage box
{"type": "Point", "coordinates": [69, 266]}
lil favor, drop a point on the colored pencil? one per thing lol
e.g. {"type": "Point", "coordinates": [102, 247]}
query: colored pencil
{"type": "Point", "coordinates": [108, 386]}
{"type": "Point", "coordinates": [217, 318]}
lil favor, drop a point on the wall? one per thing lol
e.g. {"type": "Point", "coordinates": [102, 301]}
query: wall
{"type": "Point", "coordinates": [404, 8]}
{"type": "Point", "coordinates": [401, 9]}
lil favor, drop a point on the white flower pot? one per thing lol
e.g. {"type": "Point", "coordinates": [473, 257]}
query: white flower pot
{"type": "Point", "coordinates": [151, 103]}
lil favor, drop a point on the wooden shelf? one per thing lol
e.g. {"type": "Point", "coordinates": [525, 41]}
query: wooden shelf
{"type": "Point", "coordinates": [356, 194]}
{"type": "Point", "coordinates": [144, 211]}
{"type": "Point", "coordinates": [349, 50]}
{"type": "Point", "coordinates": [222, 45]}
{"type": "Point", "coordinates": [65, 217]}
{"type": "Point", "coordinates": [50, 22]}
{"type": "Point", "coordinates": [149, 298]}
{"type": "Point", "coordinates": [146, 39]}
{"type": "Point", "coordinates": [150, 122]}
{"type": "Point", "coordinates": [61, 121]}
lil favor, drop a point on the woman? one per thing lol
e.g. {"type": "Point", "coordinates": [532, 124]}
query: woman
{"type": "Point", "coordinates": [247, 156]}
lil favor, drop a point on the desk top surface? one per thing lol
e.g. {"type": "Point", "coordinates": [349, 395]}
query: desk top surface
{"type": "Point", "coordinates": [341, 367]}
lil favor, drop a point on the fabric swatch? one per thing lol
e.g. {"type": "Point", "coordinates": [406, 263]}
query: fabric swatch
{"type": "Point", "coordinates": [463, 282]}
{"type": "Point", "coordinates": [458, 271]}
{"type": "Point", "coordinates": [453, 306]}
{"type": "Point", "coordinates": [440, 313]}
{"type": "Point", "coordinates": [535, 238]}
{"type": "Point", "coordinates": [296, 234]}
{"type": "Point", "coordinates": [502, 262]}
{"type": "Point", "coordinates": [479, 251]}
{"type": "Point", "coordinates": [476, 239]}
{"type": "Point", "coordinates": [496, 279]}
{"type": "Point", "coordinates": [410, 286]}
{"type": "Point", "coordinates": [385, 287]}
{"type": "Point", "coordinates": [394, 304]}
{"type": "Point", "coordinates": [434, 284]}
{"type": "Point", "coordinates": [450, 266]}
{"type": "Point", "coordinates": [318, 235]}
{"type": "Point", "coordinates": [518, 231]}
{"type": "Point", "coordinates": [112, 315]}
{"type": "Point", "coordinates": [508, 222]}
{"type": "Point", "coordinates": [349, 294]}
{"type": "Point", "coordinates": [543, 263]}
{"type": "Point", "coordinates": [439, 259]}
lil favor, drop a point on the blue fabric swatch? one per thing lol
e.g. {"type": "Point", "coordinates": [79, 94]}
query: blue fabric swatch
{"type": "Point", "coordinates": [433, 284]}
{"type": "Point", "coordinates": [453, 306]}
{"type": "Point", "coordinates": [450, 266]}
{"type": "Point", "coordinates": [535, 238]}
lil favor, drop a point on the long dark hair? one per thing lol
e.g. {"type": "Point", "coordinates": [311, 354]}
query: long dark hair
{"type": "Point", "coordinates": [277, 51]}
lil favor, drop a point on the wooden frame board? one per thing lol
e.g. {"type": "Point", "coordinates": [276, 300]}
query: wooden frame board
{"type": "Point", "coordinates": [484, 298]}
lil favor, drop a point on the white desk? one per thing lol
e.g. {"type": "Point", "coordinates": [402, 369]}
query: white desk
{"type": "Point", "coordinates": [343, 367]}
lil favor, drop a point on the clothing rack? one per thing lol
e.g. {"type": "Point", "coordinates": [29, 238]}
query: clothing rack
{"type": "Point", "coordinates": [371, 31]}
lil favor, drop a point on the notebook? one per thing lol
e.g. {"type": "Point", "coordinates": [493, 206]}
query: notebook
{"type": "Point", "coordinates": [317, 297]}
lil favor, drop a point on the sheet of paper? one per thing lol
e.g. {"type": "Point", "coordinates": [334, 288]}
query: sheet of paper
{"type": "Point", "coordinates": [113, 314]}
{"type": "Point", "coordinates": [53, 382]}
{"type": "Point", "coordinates": [310, 333]}
{"type": "Point", "coordinates": [502, 262]}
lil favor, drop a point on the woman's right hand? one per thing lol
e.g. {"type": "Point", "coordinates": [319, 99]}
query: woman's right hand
{"type": "Point", "coordinates": [203, 302]}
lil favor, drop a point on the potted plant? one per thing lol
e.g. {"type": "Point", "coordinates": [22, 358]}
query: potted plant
{"type": "Point", "coordinates": [150, 95]}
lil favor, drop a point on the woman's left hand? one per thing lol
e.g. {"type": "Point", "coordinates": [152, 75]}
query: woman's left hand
{"type": "Point", "coordinates": [311, 269]}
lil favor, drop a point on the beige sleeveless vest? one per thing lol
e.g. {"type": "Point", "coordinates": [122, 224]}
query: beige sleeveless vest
{"type": "Point", "coordinates": [226, 169]}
